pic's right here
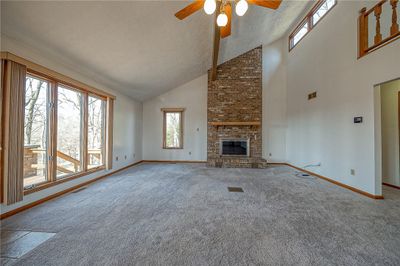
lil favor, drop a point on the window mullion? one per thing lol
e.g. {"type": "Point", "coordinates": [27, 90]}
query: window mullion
{"type": "Point", "coordinates": [84, 144]}
{"type": "Point", "coordinates": [52, 133]}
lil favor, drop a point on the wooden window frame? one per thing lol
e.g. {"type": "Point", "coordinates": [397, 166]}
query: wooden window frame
{"type": "Point", "coordinates": [172, 110]}
{"type": "Point", "coordinates": [308, 19]}
{"type": "Point", "coordinates": [55, 79]}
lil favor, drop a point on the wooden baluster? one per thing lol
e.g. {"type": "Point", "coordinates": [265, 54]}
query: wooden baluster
{"type": "Point", "coordinates": [395, 26]}
{"type": "Point", "coordinates": [378, 35]}
{"type": "Point", "coordinates": [362, 33]}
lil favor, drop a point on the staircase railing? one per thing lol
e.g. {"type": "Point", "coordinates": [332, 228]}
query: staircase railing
{"type": "Point", "coordinates": [375, 13]}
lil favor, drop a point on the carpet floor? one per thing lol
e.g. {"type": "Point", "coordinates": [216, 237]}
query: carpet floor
{"type": "Point", "coordinates": [183, 214]}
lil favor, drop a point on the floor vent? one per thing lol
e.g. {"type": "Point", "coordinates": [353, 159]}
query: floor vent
{"type": "Point", "coordinates": [78, 190]}
{"type": "Point", "coordinates": [235, 189]}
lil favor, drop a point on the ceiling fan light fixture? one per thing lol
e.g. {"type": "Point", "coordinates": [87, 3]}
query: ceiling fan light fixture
{"type": "Point", "coordinates": [241, 7]}
{"type": "Point", "coordinates": [222, 20]}
{"type": "Point", "coordinates": [209, 6]}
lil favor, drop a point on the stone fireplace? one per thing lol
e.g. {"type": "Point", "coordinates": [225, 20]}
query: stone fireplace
{"type": "Point", "coordinates": [234, 113]}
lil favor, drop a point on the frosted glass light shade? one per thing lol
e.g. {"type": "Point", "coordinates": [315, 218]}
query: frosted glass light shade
{"type": "Point", "coordinates": [241, 7]}
{"type": "Point", "coordinates": [209, 6]}
{"type": "Point", "coordinates": [222, 20]}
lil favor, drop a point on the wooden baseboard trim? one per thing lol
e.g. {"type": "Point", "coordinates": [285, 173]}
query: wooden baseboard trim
{"type": "Point", "coordinates": [338, 183]}
{"type": "Point", "coordinates": [390, 185]}
{"type": "Point", "coordinates": [176, 161]}
{"type": "Point", "coordinates": [58, 194]}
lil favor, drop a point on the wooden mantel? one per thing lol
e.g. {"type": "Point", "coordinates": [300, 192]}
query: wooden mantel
{"type": "Point", "coordinates": [237, 123]}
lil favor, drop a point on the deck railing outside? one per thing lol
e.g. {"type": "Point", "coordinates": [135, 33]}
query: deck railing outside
{"type": "Point", "coordinates": [34, 166]}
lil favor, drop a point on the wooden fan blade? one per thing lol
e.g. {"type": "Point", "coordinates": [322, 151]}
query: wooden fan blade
{"type": "Point", "coordinates": [226, 31]}
{"type": "Point", "coordinates": [217, 38]}
{"type": "Point", "coordinates": [273, 4]}
{"type": "Point", "coordinates": [190, 9]}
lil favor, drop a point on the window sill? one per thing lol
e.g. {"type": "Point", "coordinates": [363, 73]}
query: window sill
{"type": "Point", "coordinates": [49, 184]}
{"type": "Point", "coordinates": [166, 148]}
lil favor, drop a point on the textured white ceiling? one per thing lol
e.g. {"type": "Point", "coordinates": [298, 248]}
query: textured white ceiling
{"type": "Point", "coordinates": [139, 47]}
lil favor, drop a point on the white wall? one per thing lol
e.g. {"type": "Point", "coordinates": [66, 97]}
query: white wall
{"type": "Point", "coordinates": [127, 120]}
{"type": "Point", "coordinates": [322, 130]}
{"type": "Point", "coordinates": [193, 97]}
{"type": "Point", "coordinates": [274, 101]}
{"type": "Point", "coordinates": [390, 132]}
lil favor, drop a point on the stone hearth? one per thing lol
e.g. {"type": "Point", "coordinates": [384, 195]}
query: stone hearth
{"type": "Point", "coordinates": [236, 97]}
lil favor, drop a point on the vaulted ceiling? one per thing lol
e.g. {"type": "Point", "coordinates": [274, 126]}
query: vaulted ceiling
{"type": "Point", "coordinates": [138, 47]}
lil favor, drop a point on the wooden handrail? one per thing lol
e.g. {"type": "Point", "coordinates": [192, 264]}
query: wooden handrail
{"type": "Point", "coordinates": [372, 9]}
{"type": "Point", "coordinates": [68, 158]}
{"type": "Point", "coordinates": [363, 45]}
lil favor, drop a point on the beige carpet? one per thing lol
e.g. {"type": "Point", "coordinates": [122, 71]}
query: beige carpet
{"type": "Point", "coordinates": [183, 214]}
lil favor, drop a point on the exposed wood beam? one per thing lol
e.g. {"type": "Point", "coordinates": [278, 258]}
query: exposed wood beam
{"type": "Point", "coordinates": [217, 37]}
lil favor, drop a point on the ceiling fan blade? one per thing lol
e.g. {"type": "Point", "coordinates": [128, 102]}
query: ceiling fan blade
{"type": "Point", "coordinates": [226, 31]}
{"type": "Point", "coordinates": [190, 9]}
{"type": "Point", "coordinates": [273, 4]}
{"type": "Point", "coordinates": [217, 38]}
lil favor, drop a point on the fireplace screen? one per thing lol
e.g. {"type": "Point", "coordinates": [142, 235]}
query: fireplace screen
{"type": "Point", "coordinates": [236, 147]}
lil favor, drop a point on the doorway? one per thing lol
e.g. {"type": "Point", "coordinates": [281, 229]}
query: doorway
{"type": "Point", "coordinates": [390, 133]}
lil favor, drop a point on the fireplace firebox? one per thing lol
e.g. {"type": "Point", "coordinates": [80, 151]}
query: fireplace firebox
{"type": "Point", "coordinates": [235, 147]}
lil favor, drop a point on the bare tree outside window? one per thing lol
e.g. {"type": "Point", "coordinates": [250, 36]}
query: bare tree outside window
{"type": "Point", "coordinates": [66, 130]}
{"type": "Point", "coordinates": [69, 131]}
{"type": "Point", "coordinates": [173, 131]}
{"type": "Point", "coordinates": [324, 8]}
{"type": "Point", "coordinates": [96, 132]}
{"type": "Point", "coordinates": [35, 131]}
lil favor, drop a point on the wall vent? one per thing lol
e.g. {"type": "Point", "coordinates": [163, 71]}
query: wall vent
{"type": "Point", "coordinates": [312, 95]}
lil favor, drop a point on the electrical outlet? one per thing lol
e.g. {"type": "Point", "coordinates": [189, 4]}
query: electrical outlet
{"type": "Point", "coordinates": [352, 172]}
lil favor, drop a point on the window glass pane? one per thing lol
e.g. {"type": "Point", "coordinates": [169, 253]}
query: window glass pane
{"type": "Point", "coordinates": [69, 132]}
{"type": "Point", "coordinates": [35, 131]}
{"type": "Point", "coordinates": [322, 10]}
{"type": "Point", "coordinates": [300, 34]}
{"type": "Point", "coordinates": [173, 130]}
{"type": "Point", "coordinates": [96, 132]}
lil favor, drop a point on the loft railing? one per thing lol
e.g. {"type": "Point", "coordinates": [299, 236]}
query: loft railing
{"type": "Point", "coordinates": [374, 31]}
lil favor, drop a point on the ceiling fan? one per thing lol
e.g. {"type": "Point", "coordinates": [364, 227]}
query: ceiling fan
{"type": "Point", "coordinates": [223, 17]}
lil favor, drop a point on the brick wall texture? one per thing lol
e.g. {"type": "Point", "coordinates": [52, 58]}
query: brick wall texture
{"type": "Point", "coordinates": [236, 96]}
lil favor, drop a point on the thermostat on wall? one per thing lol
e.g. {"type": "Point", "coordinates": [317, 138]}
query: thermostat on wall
{"type": "Point", "coordinates": [358, 120]}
